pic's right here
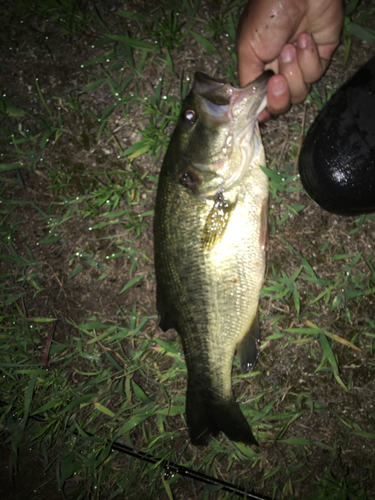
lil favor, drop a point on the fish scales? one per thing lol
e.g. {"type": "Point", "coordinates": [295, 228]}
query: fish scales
{"type": "Point", "coordinates": [210, 263]}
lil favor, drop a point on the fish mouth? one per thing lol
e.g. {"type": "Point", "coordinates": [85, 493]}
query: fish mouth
{"type": "Point", "coordinates": [250, 100]}
{"type": "Point", "coordinates": [224, 102]}
{"type": "Point", "coordinates": [245, 106]}
{"type": "Point", "coordinates": [240, 108]}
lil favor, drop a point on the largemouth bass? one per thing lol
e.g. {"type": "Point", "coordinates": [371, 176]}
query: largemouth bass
{"type": "Point", "coordinates": [210, 231]}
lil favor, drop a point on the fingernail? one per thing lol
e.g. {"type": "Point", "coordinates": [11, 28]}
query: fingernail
{"type": "Point", "coordinates": [302, 41]}
{"type": "Point", "coordinates": [279, 87]}
{"type": "Point", "coordinates": [287, 53]}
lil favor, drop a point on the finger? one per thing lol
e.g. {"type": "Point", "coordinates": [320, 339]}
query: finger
{"type": "Point", "coordinates": [311, 65]}
{"type": "Point", "coordinates": [264, 116]}
{"type": "Point", "coordinates": [326, 51]}
{"type": "Point", "coordinates": [289, 67]}
{"type": "Point", "coordinates": [248, 64]}
{"type": "Point", "coordinates": [278, 95]}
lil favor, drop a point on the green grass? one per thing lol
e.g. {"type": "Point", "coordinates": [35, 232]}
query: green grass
{"type": "Point", "coordinates": [75, 377]}
{"type": "Point", "coordinates": [358, 24]}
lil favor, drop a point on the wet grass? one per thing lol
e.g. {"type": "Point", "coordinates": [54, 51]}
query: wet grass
{"type": "Point", "coordinates": [76, 382]}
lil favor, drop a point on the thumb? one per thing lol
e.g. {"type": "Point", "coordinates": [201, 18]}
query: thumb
{"type": "Point", "coordinates": [249, 66]}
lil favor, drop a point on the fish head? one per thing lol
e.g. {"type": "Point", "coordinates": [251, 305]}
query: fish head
{"type": "Point", "coordinates": [217, 134]}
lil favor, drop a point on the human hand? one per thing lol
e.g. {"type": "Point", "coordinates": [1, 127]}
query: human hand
{"type": "Point", "coordinates": [294, 38]}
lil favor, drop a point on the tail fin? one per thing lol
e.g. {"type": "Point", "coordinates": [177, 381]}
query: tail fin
{"type": "Point", "coordinates": [209, 413]}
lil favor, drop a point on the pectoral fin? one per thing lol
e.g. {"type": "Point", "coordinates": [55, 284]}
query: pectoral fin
{"type": "Point", "coordinates": [217, 222]}
{"type": "Point", "coordinates": [248, 348]}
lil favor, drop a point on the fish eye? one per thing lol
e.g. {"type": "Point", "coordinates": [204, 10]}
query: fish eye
{"type": "Point", "coordinates": [189, 116]}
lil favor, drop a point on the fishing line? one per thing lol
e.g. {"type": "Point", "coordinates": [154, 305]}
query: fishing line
{"type": "Point", "coordinates": [170, 467]}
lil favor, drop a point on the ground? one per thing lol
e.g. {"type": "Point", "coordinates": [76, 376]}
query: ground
{"type": "Point", "coordinates": [79, 309]}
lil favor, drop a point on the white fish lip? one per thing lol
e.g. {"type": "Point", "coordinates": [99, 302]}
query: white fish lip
{"type": "Point", "coordinates": [252, 97]}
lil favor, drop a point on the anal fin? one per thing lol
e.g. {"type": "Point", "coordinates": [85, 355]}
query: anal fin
{"type": "Point", "coordinates": [166, 319]}
{"type": "Point", "coordinates": [248, 348]}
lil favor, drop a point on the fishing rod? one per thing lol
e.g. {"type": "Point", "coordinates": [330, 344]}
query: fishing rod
{"type": "Point", "coordinates": [170, 467]}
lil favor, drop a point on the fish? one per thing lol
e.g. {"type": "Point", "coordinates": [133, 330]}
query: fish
{"type": "Point", "coordinates": [210, 236]}
{"type": "Point", "coordinates": [337, 158]}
